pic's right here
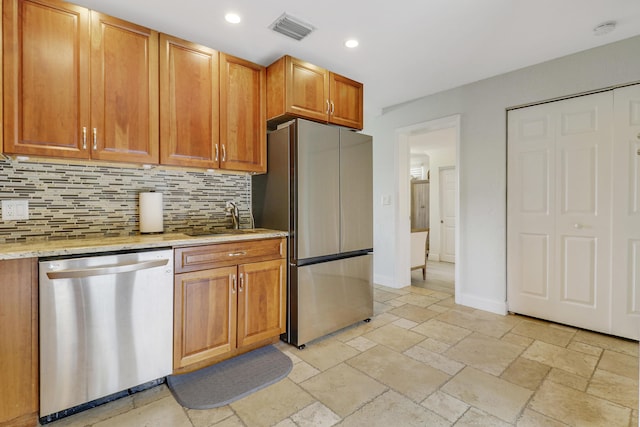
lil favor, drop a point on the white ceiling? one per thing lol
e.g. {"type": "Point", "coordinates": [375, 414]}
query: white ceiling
{"type": "Point", "coordinates": [427, 142]}
{"type": "Point", "coordinates": [408, 48]}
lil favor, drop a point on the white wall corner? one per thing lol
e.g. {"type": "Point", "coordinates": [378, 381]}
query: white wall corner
{"type": "Point", "coordinates": [388, 281]}
{"type": "Point", "coordinates": [493, 306]}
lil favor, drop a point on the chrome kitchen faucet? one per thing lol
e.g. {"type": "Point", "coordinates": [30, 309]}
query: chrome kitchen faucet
{"type": "Point", "coordinates": [232, 210]}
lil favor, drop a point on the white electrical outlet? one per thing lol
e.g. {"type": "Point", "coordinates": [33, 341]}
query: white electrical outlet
{"type": "Point", "coordinates": [15, 210]}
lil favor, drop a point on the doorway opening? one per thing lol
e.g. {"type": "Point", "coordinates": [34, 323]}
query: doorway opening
{"type": "Point", "coordinates": [429, 197]}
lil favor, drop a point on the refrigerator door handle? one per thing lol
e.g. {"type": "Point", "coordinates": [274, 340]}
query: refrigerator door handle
{"type": "Point", "coordinates": [293, 192]}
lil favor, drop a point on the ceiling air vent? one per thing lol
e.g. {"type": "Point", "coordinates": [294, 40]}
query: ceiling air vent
{"type": "Point", "coordinates": [291, 27]}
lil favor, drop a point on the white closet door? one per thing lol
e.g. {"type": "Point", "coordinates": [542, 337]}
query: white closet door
{"type": "Point", "coordinates": [531, 211]}
{"type": "Point", "coordinates": [626, 213]}
{"type": "Point", "coordinates": [583, 211]}
{"type": "Point", "coordinates": [558, 206]}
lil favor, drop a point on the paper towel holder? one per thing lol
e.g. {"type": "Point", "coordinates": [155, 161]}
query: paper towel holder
{"type": "Point", "coordinates": [151, 212]}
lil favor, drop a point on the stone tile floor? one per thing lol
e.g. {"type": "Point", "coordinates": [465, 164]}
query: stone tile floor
{"type": "Point", "coordinates": [423, 361]}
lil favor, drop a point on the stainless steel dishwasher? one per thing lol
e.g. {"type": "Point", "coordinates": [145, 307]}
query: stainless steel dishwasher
{"type": "Point", "coordinates": [106, 325]}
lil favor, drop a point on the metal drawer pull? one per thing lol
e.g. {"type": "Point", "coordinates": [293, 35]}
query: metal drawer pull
{"type": "Point", "coordinates": [106, 269]}
{"type": "Point", "coordinates": [237, 253]}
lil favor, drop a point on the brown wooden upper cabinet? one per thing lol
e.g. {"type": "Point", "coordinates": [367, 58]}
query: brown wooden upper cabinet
{"type": "Point", "coordinates": [189, 104]}
{"type": "Point", "coordinates": [296, 88]}
{"type": "Point", "coordinates": [213, 111]}
{"type": "Point", "coordinates": [243, 115]}
{"type": "Point", "coordinates": [78, 84]}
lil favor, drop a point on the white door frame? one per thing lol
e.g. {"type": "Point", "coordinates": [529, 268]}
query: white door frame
{"type": "Point", "coordinates": [403, 189]}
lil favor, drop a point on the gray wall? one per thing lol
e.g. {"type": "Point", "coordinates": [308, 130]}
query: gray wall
{"type": "Point", "coordinates": [482, 159]}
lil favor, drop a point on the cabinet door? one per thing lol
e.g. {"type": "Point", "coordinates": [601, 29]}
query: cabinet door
{"type": "Point", "coordinates": [307, 90]}
{"type": "Point", "coordinates": [46, 78]}
{"type": "Point", "coordinates": [204, 315]}
{"type": "Point", "coordinates": [189, 104]}
{"type": "Point", "coordinates": [124, 91]}
{"type": "Point", "coordinates": [19, 341]}
{"type": "Point", "coordinates": [243, 119]}
{"type": "Point", "coordinates": [346, 97]}
{"type": "Point", "coordinates": [261, 301]}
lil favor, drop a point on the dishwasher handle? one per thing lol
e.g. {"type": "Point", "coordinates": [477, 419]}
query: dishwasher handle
{"type": "Point", "coordinates": [106, 269]}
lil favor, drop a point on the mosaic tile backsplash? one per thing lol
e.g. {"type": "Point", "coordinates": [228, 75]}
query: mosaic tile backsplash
{"type": "Point", "coordinates": [79, 201]}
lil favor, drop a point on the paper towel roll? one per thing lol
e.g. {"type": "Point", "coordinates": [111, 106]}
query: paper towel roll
{"type": "Point", "coordinates": [151, 213]}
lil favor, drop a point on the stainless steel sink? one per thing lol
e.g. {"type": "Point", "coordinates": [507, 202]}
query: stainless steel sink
{"type": "Point", "coordinates": [222, 231]}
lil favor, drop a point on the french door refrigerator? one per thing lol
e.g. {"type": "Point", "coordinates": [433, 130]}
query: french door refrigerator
{"type": "Point", "coordinates": [319, 188]}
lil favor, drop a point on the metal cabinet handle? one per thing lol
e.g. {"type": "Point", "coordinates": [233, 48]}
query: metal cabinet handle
{"type": "Point", "coordinates": [84, 137]}
{"type": "Point", "coordinates": [241, 282]}
{"type": "Point", "coordinates": [217, 152]}
{"type": "Point", "coordinates": [332, 108]}
{"type": "Point", "coordinates": [224, 153]}
{"type": "Point", "coordinates": [328, 107]}
{"type": "Point", "coordinates": [237, 253]}
{"type": "Point", "coordinates": [234, 284]}
{"type": "Point", "coordinates": [577, 226]}
{"type": "Point", "coordinates": [106, 269]}
{"type": "Point", "coordinates": [95, 138]}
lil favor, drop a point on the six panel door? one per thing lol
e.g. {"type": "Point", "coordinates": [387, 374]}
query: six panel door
{"type": "Point", "coordinates": [559, 211]}
{"type": "Point", "coordinates": [448, 191]}
{"type": "Point", "coordinates": [626, 213]}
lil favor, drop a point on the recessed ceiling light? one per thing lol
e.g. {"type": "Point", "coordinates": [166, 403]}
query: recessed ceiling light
{"type": "Point", "coordinates": [604, 28]}
{"type": "Point", "coordinates": [351, 43]}
{"type": "Point", "coordinates": [232, 18]}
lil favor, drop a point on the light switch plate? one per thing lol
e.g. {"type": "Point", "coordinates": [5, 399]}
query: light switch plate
{"type": "Point", "coordinates": [15, 210]}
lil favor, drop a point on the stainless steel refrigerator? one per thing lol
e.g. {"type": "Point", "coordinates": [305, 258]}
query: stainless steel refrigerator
{"type": "Point", "coordinates": [319, 188]}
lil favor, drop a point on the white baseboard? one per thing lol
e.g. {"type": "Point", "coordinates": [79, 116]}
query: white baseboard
{"type": "Point", "coordinates": [388, 281]}
{"type": "Point", "coordinates": [497, 307]}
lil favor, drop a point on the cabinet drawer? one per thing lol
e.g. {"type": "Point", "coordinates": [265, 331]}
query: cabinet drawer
{"type": "Point", "coordinates": [224, 254]}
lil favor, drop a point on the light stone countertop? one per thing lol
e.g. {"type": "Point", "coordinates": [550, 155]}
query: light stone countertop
{"type": "Point", "coordinates": [49, 248]}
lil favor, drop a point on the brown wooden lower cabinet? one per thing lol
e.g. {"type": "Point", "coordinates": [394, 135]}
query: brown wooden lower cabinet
{"type": "Point", "coordinates": [19, 342]}
{"type": "Point", "coordinates": [233, 305]}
